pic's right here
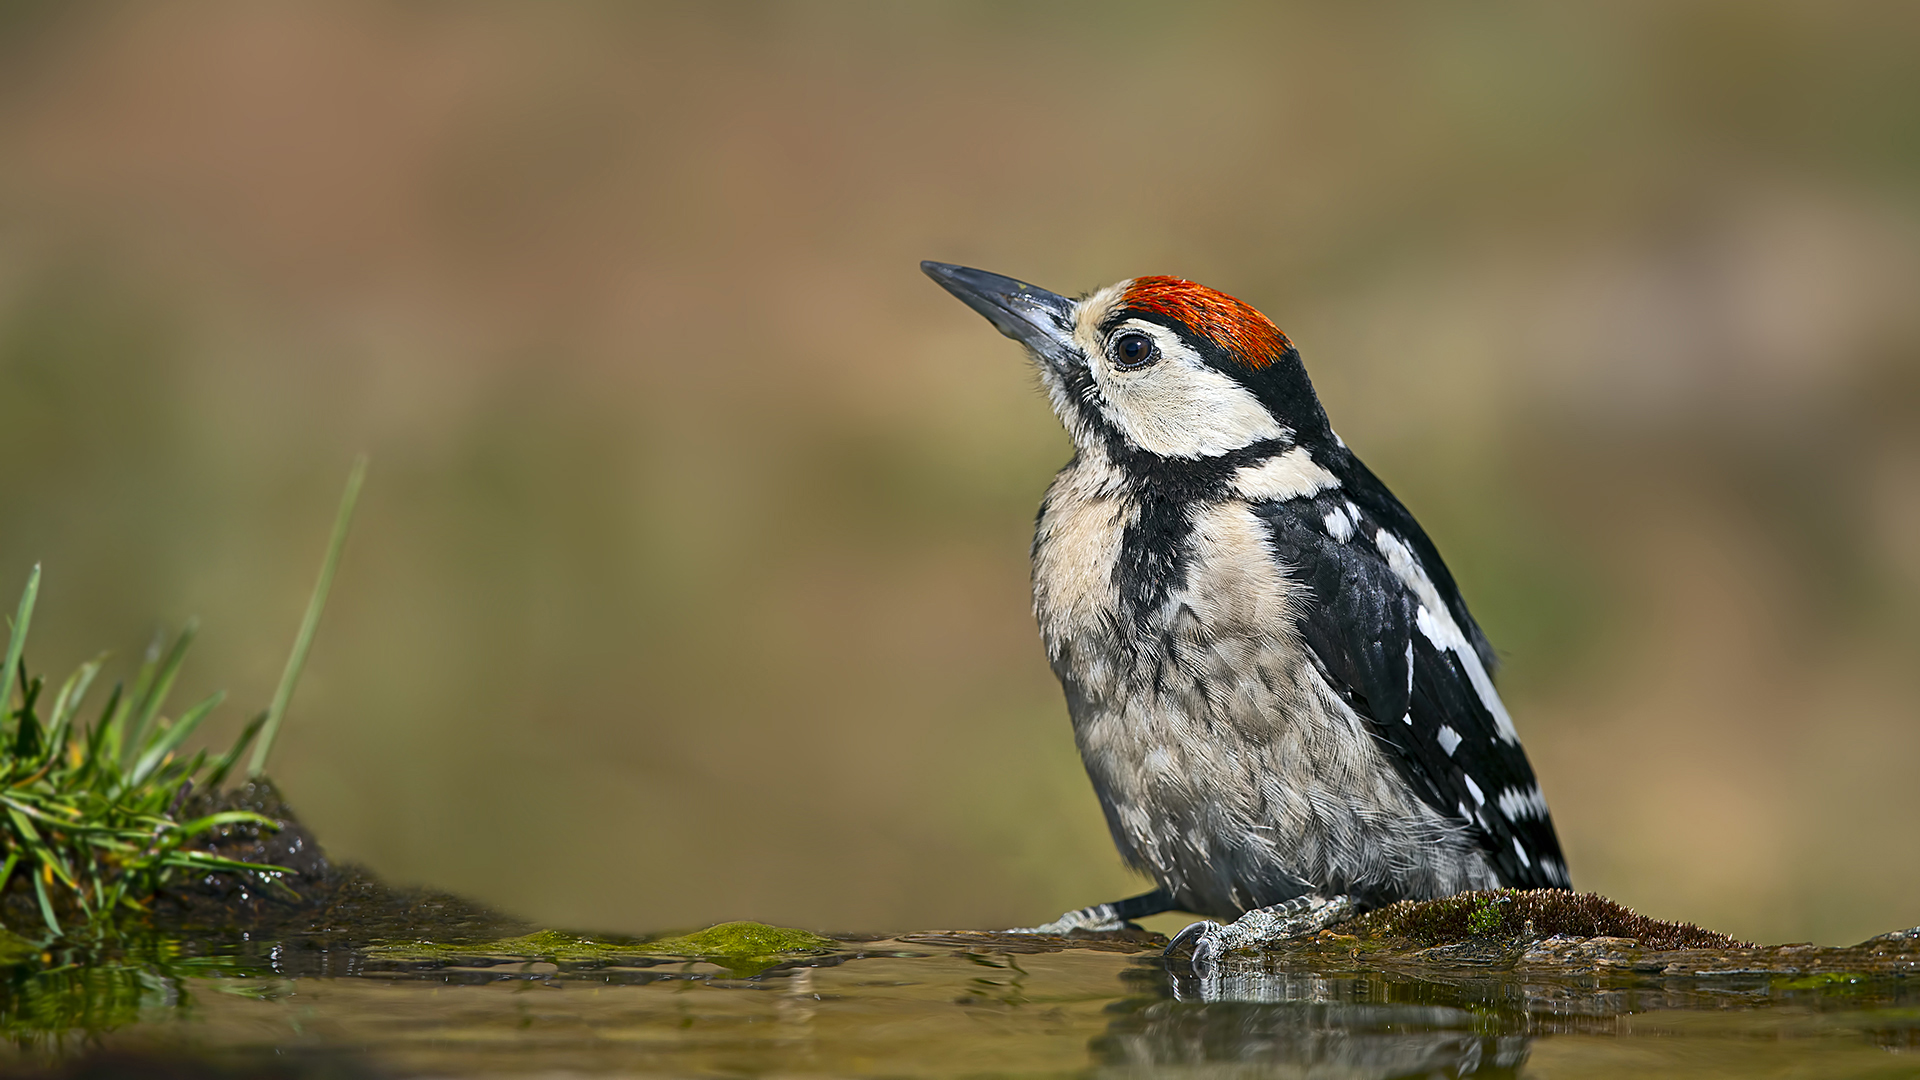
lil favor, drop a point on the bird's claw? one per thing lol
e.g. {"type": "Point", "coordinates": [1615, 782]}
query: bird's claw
{"type": "Point", "coordinates": [1199, 942]}
{"type": "Point", "coordinates": [1204, 943]}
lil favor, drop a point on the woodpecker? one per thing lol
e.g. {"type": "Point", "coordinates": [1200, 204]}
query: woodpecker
{"type": "Point", "coordinates": [1284, 706]}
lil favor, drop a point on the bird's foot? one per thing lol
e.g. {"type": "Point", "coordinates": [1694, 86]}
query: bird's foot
{"type": "Point", "coordinates": [1204, 943]}
{"type": "Point", "coordinates": [1098, 919]}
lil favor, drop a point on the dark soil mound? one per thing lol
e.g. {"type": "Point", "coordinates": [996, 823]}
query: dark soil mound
{"type": "Point", "coordinates": [329, 905]}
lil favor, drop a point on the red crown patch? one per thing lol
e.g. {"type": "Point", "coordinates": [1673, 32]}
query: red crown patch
{"type": "Point", "coordinates": [1239, 329]}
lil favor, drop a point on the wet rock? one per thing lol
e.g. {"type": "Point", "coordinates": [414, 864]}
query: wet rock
{"type": "Point", "coordinates": [318, 903]}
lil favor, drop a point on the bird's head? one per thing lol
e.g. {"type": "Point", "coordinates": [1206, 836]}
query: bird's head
{"type": "Point", "coordinates": [1153, 365]}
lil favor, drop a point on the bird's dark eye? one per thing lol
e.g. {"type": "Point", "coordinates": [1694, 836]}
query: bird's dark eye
{"type": "Point", "coordinates": [1134, 349]}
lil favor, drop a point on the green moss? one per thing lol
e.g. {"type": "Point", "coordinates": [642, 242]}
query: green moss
{"type": "Point", "coordinates": [553, 945]}
{"type": "Point", "coordinates": [742, 939]}
{"type": "Point", "coordinates": [740, 947]}
{"type": "Point", "coordinates": [1485, 918]}
{"type": "Point", "coordinates": [1822, 980]}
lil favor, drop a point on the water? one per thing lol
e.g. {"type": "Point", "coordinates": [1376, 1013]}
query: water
{"type": "Point", "coordinates": [939, 1005]}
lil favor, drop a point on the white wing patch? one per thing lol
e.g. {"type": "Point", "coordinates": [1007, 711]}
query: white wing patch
{"type": "Point", "coordinates": [1338, 526]}
{"type": "Point", "coordinates": [1291, 475]}
{"type": "Point", "coordinates": [1435, 621]}
{"type": "Point", "coordinates": [1517, 803]}
{"type": "Point", "coordinates": [1450, 741]}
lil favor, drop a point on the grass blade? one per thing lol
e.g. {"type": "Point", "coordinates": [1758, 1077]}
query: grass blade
{"type": "Point", "coordinates": [225, 762]}
{"type": "Point", "coordinates": [315, 605]}
{"type": "Point", "coordinates": [166, 741]}
{"type": "Point", "coordinates": [27, 729]}
{"type": "Point", "coordinates": [102, 739]}
{"type": "Point", "coordinates": [114, 724]}
{"type": "Point", "coordinates": [17, 640]}
{"type": "Point", "coordinates": [46, 905]}
{"type": "Point", "coordinates": [67, 702]}
{"type": "Point", "coordinates": [227, 817]}
{"type": "Point", "coordinates": [200, 860]}
{"type": "Point", "coordinates": [28, 834]}
{"type": "Point", "coordinates": [148, 707]}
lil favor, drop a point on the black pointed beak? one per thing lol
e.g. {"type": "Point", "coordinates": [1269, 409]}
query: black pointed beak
{"type": "Point", "coordinates": [1036, 318]}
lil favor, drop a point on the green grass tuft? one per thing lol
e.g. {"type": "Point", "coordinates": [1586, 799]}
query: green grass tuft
{"type": "Point", "coordinates": [90, 820]}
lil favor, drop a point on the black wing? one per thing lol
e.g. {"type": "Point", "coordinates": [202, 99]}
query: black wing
{"type": "Point", "coordinates": [1407, 675]}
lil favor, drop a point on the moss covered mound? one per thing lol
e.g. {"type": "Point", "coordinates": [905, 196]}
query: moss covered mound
{"type": "Point", "coordinates": [746, 940]}
{"type": "Point", "coordinates": [740, 947]}
{"type": "Point", "coordinates": [1514, 915]}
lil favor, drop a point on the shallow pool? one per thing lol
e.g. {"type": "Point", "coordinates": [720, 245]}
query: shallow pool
{"type": "Point", "coordinates": [940, 1005]}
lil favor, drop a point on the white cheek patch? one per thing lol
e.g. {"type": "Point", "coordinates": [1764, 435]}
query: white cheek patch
{"type": "Point", "coordinates": [1172, 410]}
{"type": "Point", "coordinates": [1292, 475]}
{"type": "Point", "coordinates": [1176, 406]}
{"type": "Point", "coordinates": [1436, 622]}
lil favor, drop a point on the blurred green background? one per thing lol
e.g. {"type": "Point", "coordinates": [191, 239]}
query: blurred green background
{"type": "Point", "coordinates": [690, 581]}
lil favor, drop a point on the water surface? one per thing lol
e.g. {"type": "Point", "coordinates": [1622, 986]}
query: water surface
{"type": "Point", "coordinates": [945, 1005]}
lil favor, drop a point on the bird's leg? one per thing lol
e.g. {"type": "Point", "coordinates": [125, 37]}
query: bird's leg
{"type": "Point", "coordinates": [1205, 942]}
{"type": "Point", "coordinates": [1104, 917]}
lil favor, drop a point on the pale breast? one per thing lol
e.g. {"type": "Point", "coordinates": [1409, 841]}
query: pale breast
{"type": "Point", "coordinates": [1077, 543]}
{"type": "Point", "coordinates": [1228, 770]}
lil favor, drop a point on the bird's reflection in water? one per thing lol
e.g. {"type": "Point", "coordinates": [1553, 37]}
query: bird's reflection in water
{"type": "Point", "coordinates": [1294, 1024]}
